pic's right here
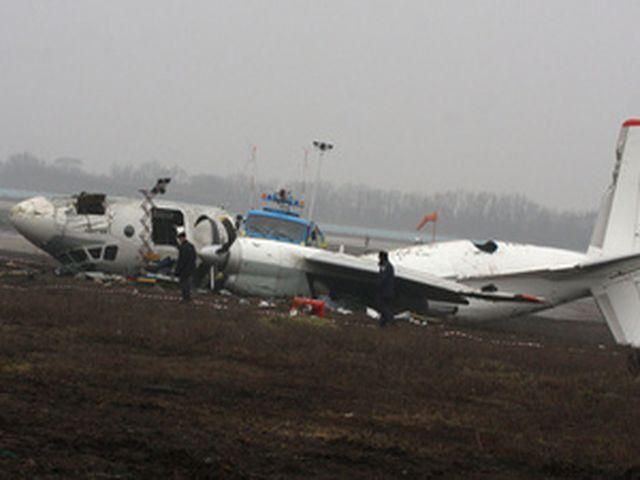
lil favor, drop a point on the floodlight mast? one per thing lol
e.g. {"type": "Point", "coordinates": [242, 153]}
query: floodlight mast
{"type": "Point", "coordinates": [321, 147]}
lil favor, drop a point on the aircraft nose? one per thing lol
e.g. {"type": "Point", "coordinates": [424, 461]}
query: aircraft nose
{"type": "Point", "coordinates": [33, 218]}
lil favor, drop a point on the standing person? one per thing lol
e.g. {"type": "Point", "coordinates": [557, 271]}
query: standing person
{"type": "Point", "coordinates": [385, 288]}
{"type": "Point", "coordinates": [186, 265]}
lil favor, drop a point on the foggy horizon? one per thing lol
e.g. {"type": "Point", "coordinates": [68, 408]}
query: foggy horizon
{"type": "Point", "coordinates": [182, 177]}
{"type": "Point", "coordinates": [423, 97]}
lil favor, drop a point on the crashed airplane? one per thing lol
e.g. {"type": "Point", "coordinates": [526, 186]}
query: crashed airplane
{"type": "Point", "coordinates": [457, 278]}
{"type": "Point", "coordinates": [115, 234]}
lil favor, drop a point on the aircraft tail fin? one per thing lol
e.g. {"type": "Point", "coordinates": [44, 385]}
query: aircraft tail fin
{"type": "Point", "coordinates": [617, 229]}
{"type": "Point", "coordinates": [617, 232]}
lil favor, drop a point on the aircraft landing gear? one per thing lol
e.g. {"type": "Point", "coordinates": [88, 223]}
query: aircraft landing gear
{"type": "Point", "coordinates": [633, 362]}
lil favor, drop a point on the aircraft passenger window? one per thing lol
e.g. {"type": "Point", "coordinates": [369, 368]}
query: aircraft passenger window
{"type": "Point", "coordinates": [164, 223]}
{"type": "Point", "coordinates": [129, 231]}
{"type": "Point", "coordinates": [110, 252]}
{"type": "Point", "coordinates": [78, 256]}
{"type": "Point", "coordinates": [95, 252]}
{"type": "Point", "coordinates": [90, 203]}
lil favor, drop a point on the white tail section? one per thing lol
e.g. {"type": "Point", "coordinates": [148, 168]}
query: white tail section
{"type": "Point", "coordinates": [617, 230]}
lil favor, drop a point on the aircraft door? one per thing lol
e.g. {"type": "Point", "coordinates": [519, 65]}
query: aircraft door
{"type": "Point", "coordinates": [164, 226]}
{"type": "Point", "coordinates": [164, 230]}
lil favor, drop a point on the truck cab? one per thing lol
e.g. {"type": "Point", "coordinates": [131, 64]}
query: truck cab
{"type": "Point", "coordinates": [281, 223]}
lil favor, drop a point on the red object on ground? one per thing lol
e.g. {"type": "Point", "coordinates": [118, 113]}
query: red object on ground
{"type": "Point", "coordinates": [317, 306]}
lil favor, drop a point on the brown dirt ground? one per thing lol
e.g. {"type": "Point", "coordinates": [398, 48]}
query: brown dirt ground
{"type": "Point", "coordinates": [120, 381]}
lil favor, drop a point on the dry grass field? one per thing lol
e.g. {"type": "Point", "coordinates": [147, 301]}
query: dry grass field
{"type": "Point", "coordinates": [121, 382]}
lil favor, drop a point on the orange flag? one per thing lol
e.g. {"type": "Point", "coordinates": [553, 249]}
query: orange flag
{"type": "Point", "coordinates": [429, 217]}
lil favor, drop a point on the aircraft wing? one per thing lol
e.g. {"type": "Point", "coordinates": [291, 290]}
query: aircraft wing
{"type": "Point", "coordinates": [351, 276]}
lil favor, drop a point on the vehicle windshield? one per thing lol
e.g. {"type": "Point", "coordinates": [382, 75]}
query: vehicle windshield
{"type": "Point", "coordinates": [276, 228]}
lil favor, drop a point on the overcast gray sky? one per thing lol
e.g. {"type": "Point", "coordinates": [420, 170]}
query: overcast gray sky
{"type": "Point", "coordinates": [503, 96]}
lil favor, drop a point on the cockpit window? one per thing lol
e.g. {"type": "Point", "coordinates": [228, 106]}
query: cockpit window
{"type": "Point", "coordinates": [276, 228]}
{"type": "Point", "coordinates": [165, 222]}
{"type": "Point", "coordinates": [110, 252]}
{"type": "Point", "coordinates": [90, 203]}
{"type": "Point", "coordinates": [78, 256]}
{"type": "Point", "coordinates": [95, 252]}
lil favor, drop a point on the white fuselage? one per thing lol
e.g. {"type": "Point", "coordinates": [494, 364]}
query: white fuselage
{"type": "Point", "coordinates": [110, 241]}
{"type": "Point", "coordinates": [514, 268]}
{"type": "Point", "coordinates": [270, 268]}
{"type": "Point", "coordinates": [277, 269]}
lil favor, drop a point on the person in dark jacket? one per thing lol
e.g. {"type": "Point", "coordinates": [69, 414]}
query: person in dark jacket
{"type": "Point", "coordinates": [185, 266]}
{"type": "Point", "coordinates": [386, 290]}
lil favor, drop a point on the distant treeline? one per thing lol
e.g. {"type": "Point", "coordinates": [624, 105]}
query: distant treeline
{"type": "Point", "coordinates": [461, 214]}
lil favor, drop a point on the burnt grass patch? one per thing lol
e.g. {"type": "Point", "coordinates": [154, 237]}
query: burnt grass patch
{"type": "Point", "coordinates": [98, 382]}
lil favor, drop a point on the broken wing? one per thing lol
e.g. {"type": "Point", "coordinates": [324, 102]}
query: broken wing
{"type": "Point", "coordinates": [348, 276]}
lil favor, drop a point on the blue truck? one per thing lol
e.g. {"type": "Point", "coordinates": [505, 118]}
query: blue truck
{"type": "Point", "coordinates": [281, 223]}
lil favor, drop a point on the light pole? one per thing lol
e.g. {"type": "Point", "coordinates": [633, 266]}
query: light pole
{"type": "Point", "coordinates": [322, 147]}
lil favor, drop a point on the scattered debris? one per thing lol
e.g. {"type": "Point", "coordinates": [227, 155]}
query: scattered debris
{"type": "Point", "coordinates": [19, 273]}
{"type": "Point", "coordinates": [100, 277]}
{"type": "Point", "coordinates": [418, 322]}
{"type": "Point", "coordinates": [310, 306]}
{"type": "Point", "coordinates": [266, 304]}
{"type": "Point", "coordinates": [405, 316]}
{"type": "Point", "coordinates": [143, 279]}
{"type": "Point", "coordinates": [344, 311]}
{"type": "Point", "coordinates": [372, 313]}
{"type": "Point", "coordinates": [412, 318]}
{"type": "Point", "coordinates": [161, 277]}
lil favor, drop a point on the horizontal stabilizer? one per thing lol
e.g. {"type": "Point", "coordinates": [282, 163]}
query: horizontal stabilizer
{"type": "Point", "coordinates": [619, 302]}
{"type": "Point", "coordinates": [596, 270]}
